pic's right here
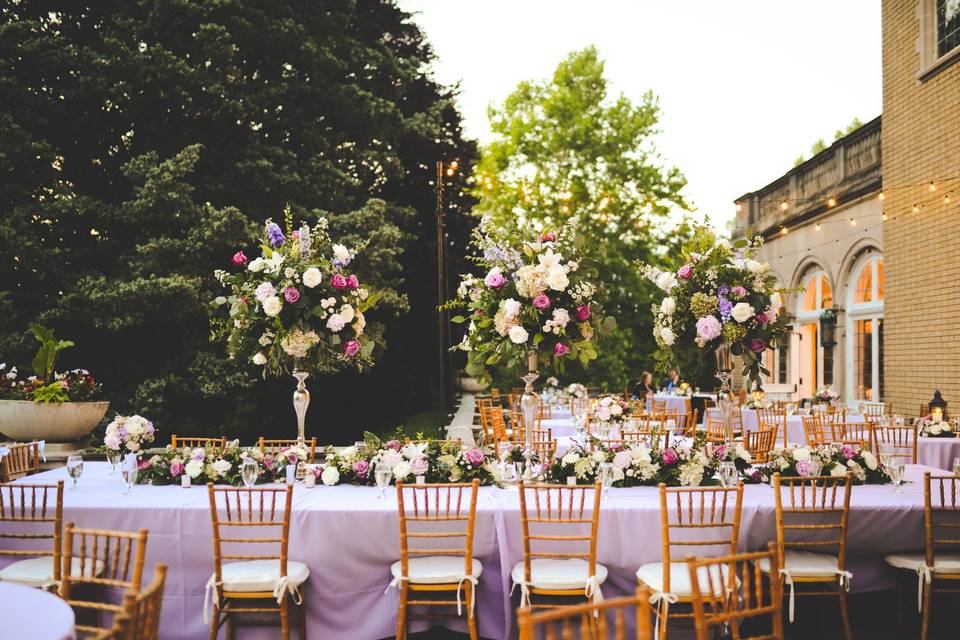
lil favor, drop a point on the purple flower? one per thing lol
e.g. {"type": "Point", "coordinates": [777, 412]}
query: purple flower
{"type": "Point", "coordinates": [849, 453]}
{"type": "Point", "coordinates": [723, 290]}
{"type": "Point", "coordinates": [758, 345]}
{"type": "Point", "coordinates": [726, 308]}
{"type": "Point", "coordinates": [541, 301]}
{"type": "Point", "coordinates": [176, 469]}
{"type": "Point", "coordinates": [291, 295]}
{"type": "Point", "coordinates": [804, 467]}
{"type": "Point", "coordinates": [292, 457]}
{"type": "Point", "coordinates": [361, 467]}
{"type": "Point", "coordinates": [275, 235]}
{"type": "Point", "coordinates": [670, 456]}
{"type": "Point", "coordinates": [495, 279]}
{"type": "Point", "coordinates": [720, 452]}
{"type": "Point", "coordinates": [267, 461]}
{"type": "Point", "coordinates": [474, 457]}
{"type": "Point", "coordinates": [351, 348]}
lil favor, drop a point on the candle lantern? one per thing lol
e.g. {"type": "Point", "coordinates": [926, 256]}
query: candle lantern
{"type": "Point", "coordinates": [938, 406]}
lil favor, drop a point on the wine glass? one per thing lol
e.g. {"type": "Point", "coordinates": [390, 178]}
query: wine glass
{"type": "Point", "coordinates": [606, 477]}
{"type": "Point", "coordinates": [113, 457]}
{"type": "Point", "coordinates": [894, 466]}
{"type": "Point", "coordinates": [249, 472]}
{"type": "Point", "coordinates": [75, 469]}
{"type": "Point", "coordinates": [728, 473]}
{"type": "Point", "coordinates": [382, 475]}
{"type": "Point", "coordinates": [128, 473]}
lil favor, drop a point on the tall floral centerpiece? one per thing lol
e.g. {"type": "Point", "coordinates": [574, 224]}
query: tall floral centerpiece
{"type": "Point", "coordinates": [721, 301]}
{"type": "Point", "coordinates": [535, 302]}
{"type": "Point", "coordinates": [298, 307]}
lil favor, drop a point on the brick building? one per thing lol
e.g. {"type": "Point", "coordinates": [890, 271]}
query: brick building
{"type": "Point", "coordinates": [867, 229]}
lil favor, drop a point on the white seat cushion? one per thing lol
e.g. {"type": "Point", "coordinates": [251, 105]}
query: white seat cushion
{"type": "Point", "coordinates": [652, 576]}
{"type": "Point", "coordinates": [38, 572]}
{"type": "Point", "coordinates": [261, 575]}
{"type": "Point", "coordinates": [435, 569]}
{"type": "Point", "coordinates": [549, 573]}
{"type": "Point", "coordinates": [943, 562]}
{"type": "Point", "coordinates": [804, 564]}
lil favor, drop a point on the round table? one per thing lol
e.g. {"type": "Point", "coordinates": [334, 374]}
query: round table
{"type": "Point", "coordinates": [26, 612]}
{"type": "Point", "coordinates": [938, 452]}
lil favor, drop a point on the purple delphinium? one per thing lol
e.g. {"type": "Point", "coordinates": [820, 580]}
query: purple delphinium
{"type": "Point", "coordinates": [726, 308]}
{"type": "Point", "coordinates": [275, 235]}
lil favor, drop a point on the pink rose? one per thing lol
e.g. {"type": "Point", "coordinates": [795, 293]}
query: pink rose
{"type": "Point", "coordinates": [762, 318]}
{"type": "Point", "coordinates": [351, 348]}
{"type": "Point", "coordinates": [848, 453]}
{"type": "Point", "coordinates": [541, 301]}
{"type": "Point", "coordinates": [708, 328]}
{"type": "Point", "coordinates": [291, 295]}
{"type": "Point", "coordinates": [738, 292]}
{"type": "Point", "coordinates": [670, 456]}
{"type": "Point", "coordinates": [685, 272]}
{"type": "Point", "coordinates": [352, 282]}
{"type": "Point", "coordinates": [560, 349]}
{"type": "Point", "coordinates": [495, 279]}
{"type": "Point", "coordinates": [758, 345]}
{"type": "Point", "coordinates": [548, 237]}
{"type": "Point", "coordinates": [361, 468]}
{"type": "Point", "coordinates": [393, 444]}
{"type": "Point", "coordinates": [337, 281]}
{"type": "Point", "coordinates": [474, 457]}
{"type": "Point", "coordinates": [239, 258]}
{"type": "Point", "coordinates": [583, 313]}
{"type": "Point", "coordinates": [295, 234]}
{"type": "Point", "coordinates": [176, 469]}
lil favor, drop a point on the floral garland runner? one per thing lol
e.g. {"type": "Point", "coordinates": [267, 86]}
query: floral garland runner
{"type": "Point", "coordinates": [826, 460]}
{"type": "Point", "coordinates": [932, 428]}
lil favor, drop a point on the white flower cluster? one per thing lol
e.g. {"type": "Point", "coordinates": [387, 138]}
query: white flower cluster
{"type": "Point", "coordinates": [559, 321]}
{"type": "Point", "coordinates": [128, 432]}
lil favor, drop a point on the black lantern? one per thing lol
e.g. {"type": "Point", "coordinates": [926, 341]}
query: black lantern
{"type": "Point", "coordinates": [938, 406]}
{"type": "Point", "coordinates": [828, 327]}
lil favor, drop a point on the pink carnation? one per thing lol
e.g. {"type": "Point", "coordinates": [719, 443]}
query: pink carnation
{"type": "Point", "coordinates": [670, 456]}
{"type": "Point", "coordinates": [708, 328]}
{"type": "Point", "coordinates": [738, 292]}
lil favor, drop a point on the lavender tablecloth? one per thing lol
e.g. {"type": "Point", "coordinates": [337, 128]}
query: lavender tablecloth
{"type": "Point", "coordinates": [31, 613]}
{"type": "Point", "coordinates": [938, 452]}
{"type": "Point", "coordinates": [348, 538]}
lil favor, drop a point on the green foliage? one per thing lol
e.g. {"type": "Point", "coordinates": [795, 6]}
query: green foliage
{"type": "Point", "coordinates": [45, 362]}
{"type": "Point", "coordinates": [821, 144]}
{"type": "Point", "coordinates": [566, 150]}
{"type": "Point", "coordinates": [53, 392]}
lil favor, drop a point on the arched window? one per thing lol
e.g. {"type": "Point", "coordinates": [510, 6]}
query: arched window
{"type": "Point", "coordinates": [865, 329]}
{"type": "Point", "coordinates": [815, 364]}
{"type": "Point", "coordinates": [817, 293]}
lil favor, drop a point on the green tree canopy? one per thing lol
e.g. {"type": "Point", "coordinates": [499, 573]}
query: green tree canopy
{"type": "Point", "coordinates": [566, 149]}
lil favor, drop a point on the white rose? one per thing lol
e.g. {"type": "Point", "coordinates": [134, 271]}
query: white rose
{"type": "Point", "coordinates": [401, 470]}
{"type": "Point", "coordinates": [776, 301]}
{"type": "Point", "coordinates": [838, 471]}
{"type": "Point", "coordinates": [341, 253]}
{"type": "Point", "coordinates": [801, 453]}
{"type": "Point", "coordinates": [312, 277]}
{"type": "Point", "coordinates": [221, 467]}
{"type": "Point", "coordinates": [570, 458]}
{"type": "Point", "coordinates": [518, 335]}
{"type": "Point", "coordinates": [272, 306]}
{"type": "Point", "coordinates": [346, 312]}
{"type": "Point", "coordinates": [616, 410]}
{"type": "Point", "coordinates": [666, 281]}
{"type": "Point", "coordinates": [259, 359]}
{"type": "Point", "coordinates": [511, 308]}
{"type": "Point", "coordinates": [668, 336]}
{"type": "Point", "coordinates": [256, 265]}
{"type": "Point", "coordinates": [330, 476]}
{"type": "Point", "coordinates": [335, 322]}
{"type": "Point", "coordinates": [742, 312]}
{"type": "Point", "coordinates": [557, 279]}
{"type": "Point", "coordinates": [668, 306]}
{"type": "Point", "coordinates": [599, 456]}
{"type": "Point", "coordinates": [870, 460]}
{"type": "Point", "coordinates": [194, 468]}
{"type": "Point", "coordinates": [755, 267]}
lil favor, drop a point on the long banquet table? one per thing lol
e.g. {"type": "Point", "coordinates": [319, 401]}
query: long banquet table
{"type": "Point", "coordinates": [349, 538]}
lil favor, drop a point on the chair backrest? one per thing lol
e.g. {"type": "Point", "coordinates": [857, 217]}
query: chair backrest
{"type": "Point", "coordinates": [589, 621]}
{"type": "Point", "coordinates": [698, 518]}
{"type": "Point", "coordinates": [199, 442]}
{"type": "Point", "coordinates": [812, 512]}
{"type": "Point", "coordinates": [760, 443]}
{"type": "Point", "coordinates": [546, 507]}
{"type": "Point", "coordinates": [22, 459]}
{"type": "Point", "coordinates": [813, 427]}
{"type": "Point", "coordinates": [741, 593]}
{"type": "Point", "coordinates": [715, 430]}
{"type": "Point", "coordinates": [773, 417]}
{"type": "Point", "coordinates": [873, 411]}
{"type": "Point", "coordinates": [274, 447]}
{"type": "Point", "coordinates": [544, 411]}
{"type": "Point", "coordinates": [852, 431]}
{"type": "Point", "coordinates": [657, 405]}
{"type": "Point", "coordinates": [431, 515]}
{"type": "Point", "coordinates": [140, 618]}
{"type": "Point", "coordinates": [902, 440]}
{"type": "Point", "coordinates": [941, 516]}
{"type": "Point", "coordinates": [33, 512]}
{"type": "Point", "coordinates": [264, 509]}
{"type": "Point", "coordinates": [544, 449]}
{"type": "Point", "coordinates": [486, 409]}
{"type": "Point", "coordinates": [104, 559]}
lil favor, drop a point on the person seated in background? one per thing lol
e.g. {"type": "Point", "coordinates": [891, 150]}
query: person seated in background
{"type": "Point", "coordinates": [644, 386]}
{"type": "Point", "coordinates": [672, 381]}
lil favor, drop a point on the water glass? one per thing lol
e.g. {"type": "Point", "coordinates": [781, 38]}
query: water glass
{"type": "Point", "coordinates": [606, 477]}
{"type": "Point", "coordinates": [382, 475]}
{"type": "Point", "coordinates": [249, 472]}
{"type": "Point", "coordinates": [113, 457]}
{"type": "Point", "coordinates": [956, 466]}
{"type": "Point", "coordinates": [728, 474]}
{"type": "Point", "coordinates": [75, 469]}
{"type": "Point", "coordinates": [128, 473]}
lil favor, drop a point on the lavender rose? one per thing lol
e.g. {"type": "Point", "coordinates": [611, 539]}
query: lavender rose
{"type": "Point", "coordinates": [474, 457]}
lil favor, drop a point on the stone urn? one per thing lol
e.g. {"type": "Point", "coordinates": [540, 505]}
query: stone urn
{"type": "Point", "coordinates": [65, 425]}
{"type": "Point", "coordinates": [470, 385]}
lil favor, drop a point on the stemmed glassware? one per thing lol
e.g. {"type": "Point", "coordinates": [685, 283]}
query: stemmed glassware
{"type": "Point", "coordinates": [728, 474]}
{"type": "Point", "coordinates": [113, 457]}
{"type": "Point", "coordinates": [606, 477]}
{"type": "Point", "coordinates": [249, 472]}
{"type": "Point", "coordinates": [74, 470]}
{"type": "Point", "coordinates": [129, 469]}
{"type": "Point", "coordinates": [893, 463]}
{"type": "Point", "coordinates": [382, 474]}
{"type": "Point", "coordinates": [956, 466]}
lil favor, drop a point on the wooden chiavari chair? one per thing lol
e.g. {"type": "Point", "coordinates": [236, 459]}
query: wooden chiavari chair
{"type": "Point", "coordinates": [487, 411]}
{"type": "Point", "coordinates": [760, 444]}
{"type": "Point", "coordinates": [544, 450]}
{"type": "Point", "coordinates": [212, 442]}
{"type": "Point", "coordinates": [714, 427]}
{"type": "Point", "coordinates": [105, 559]}
{"type": "Point", "coordinates": [33, 512]}
{"type": "Point", "coordinates": [589, 621]}
{"type": "Point", "coordinates": [544, 412]}
{"type": "Point", "coordinates": [873, 412]}
{"type": "Point", "coordinates": [264, 573]}
{"type": "Point", "coordinates": [545, 570]}
{"type": "Point", "coordinates": [852, 432]}
{"type": "Point", "coordinates": [813, 516]}
{"type": "Point", "coordinates": [502, 434]}
{"type": "Point", "coordinates": [495, 394]}
{"type": "Point", "coordinates": [939, 563]}
{"type": "Point", "coordinates": [816, 432]}
{"type": "Point", "coordinates": [643, 429]}
{"type": "Point", "coordinates": [428, 513]}
{"type": "Point", "coordinates": [690, 430]}
{"type": "Point", "coordinates": [658, 405]}
{"type": "Point", "coordinates": [902, 441]}
{"type": "Point", "coordinates": [22, 459]}
{"type": "Point", "coordinates": [774, 418]}
{"type": "Point", "coordinates": [711, 512]}
{"type": "Point", "coordinates": [680, 423]}
{"type": "Point", "coordinates": [274, 447]}
{"type": "Point", "coordinates": [742, 595]}
{"type": "Point", "coordinates": [140, 618]}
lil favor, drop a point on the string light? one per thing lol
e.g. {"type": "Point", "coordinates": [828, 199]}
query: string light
{"type": "Point", "coordinates": [880, 196]}
{"type": "Point", "coordinates": [946, 199]}
{"type": "Point", "coordinates": [817, 226]}
{"type": "Point", "coordinates": [739, 207]}
{"type": "Point", "coordinates": [783, 230]}
{"type": "Point", "coordinates": [783, 205]}
{"type": "Point", "coordinates": [853, 222]}
{"type": "Point", "coordinates": [916, 208]}
{"type": "Point", "coordinates": [832, 202]}
{"type": "Point", "coordinates": [884, 216]}
{"type": "Point", "coordinates": [933, 187]}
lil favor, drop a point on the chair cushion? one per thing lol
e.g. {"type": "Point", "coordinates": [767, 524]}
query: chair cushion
{"type": "Point", "coordinates": [38, 572]}
{"type": "Point", "coordinates": [804, 564]}
{"type": "Point", "coordinates": [652, 576]}
{"type": "Point", "coordinates": [261, 575]}
{"type": "Point", "coordinates": [435, 569]}
{"type": "Point", "coordinates": [550, 573]}
{"type": "Point", "coordinates": [942, 562]}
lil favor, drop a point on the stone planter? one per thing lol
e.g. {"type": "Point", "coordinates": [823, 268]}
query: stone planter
{"type": "Point", "coordinates": [470, 385]}
{"type": "Point", "coordinates": [23, 420]}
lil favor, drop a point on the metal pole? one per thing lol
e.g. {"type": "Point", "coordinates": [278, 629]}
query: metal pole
{"type": "Point", "coordinates": [441, 296]}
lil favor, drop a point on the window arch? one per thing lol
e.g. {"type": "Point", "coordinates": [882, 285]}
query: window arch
{"type": "Point", "coordinates": [817, 293]}
{"type": "Point", "coordinates": [814, 362]}
{"type": "Point", "coordinates": [865, 296]}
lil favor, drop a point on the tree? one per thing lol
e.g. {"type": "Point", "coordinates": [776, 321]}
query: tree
{"type": "Point", "coordinates": [821, 144]}
{"type": "Point", "coordinates": [566, 150]}
{"type": "Point", "coordinates": [145, 140]}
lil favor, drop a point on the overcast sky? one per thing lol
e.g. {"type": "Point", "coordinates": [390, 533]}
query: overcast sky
{"type": "Point", "coordinates": [745, 86]}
